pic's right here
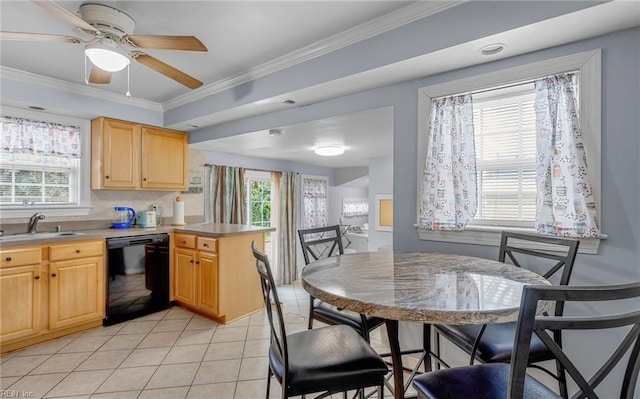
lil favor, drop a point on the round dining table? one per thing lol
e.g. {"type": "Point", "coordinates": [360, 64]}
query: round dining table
{"type": "Point", "coordinates": [430, 288]}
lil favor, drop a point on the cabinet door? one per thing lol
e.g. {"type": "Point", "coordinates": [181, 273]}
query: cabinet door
{"type": "Point", "coordinates": [207, 281]}
{"type": "Point", "coordinates": [164, 159]}
{"type": "Point", "coordinates": [185, 276]}
{"type": "Point", "coordinates": [20, 289]}
{"type": "Point", "coordinates": [120, 154]}
{"type": "Point", "coordinates": [76, 292]}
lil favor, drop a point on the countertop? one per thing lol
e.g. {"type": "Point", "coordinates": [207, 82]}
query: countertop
{"type": "Point", "coordinates": [204, 229]}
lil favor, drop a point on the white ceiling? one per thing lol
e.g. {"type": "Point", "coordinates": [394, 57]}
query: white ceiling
{"type": "Point", "coordinates": [246, 37]}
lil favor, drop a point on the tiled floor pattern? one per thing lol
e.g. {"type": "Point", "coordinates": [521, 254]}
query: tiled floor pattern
{"type": "Point", "coordinates": [170, 354]}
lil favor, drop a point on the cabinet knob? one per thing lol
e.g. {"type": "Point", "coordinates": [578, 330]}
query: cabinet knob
{"type": "Point", "coordinates": [190, 261]}
{"type": "Point", "coordinates": [197, 263]}
{"type": "Point", "coordinates": [37, 277]}
{"type": "Point", "coordinates": [205, 245]}
{"type": "Point", "coordinates": [8, 259]}
{"type": "Point", "coordinates": [77, 251]}
{"type": "Point", "coordinates": [106, 177]}
{"type": "Point", "coordinates": [144, 179]}
{"type": "Point", "coordinates": [53, 274]}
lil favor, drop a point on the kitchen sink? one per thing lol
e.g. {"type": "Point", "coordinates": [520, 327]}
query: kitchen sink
{"type": "Point", "coordinates": [38, 236]}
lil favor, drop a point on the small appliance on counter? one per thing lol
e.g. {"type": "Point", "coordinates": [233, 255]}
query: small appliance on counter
{"type": "Point", "coordinates": [147, 219]}
{"type": "Point", "coordinates": [123, 217]}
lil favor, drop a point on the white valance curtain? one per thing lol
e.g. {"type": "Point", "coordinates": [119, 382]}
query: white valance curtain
{"type": "Point", "coordinates": [565, 203]}
{"type": "Point", "coordinates": [27, 136]}
{"type": "Point", "coordinates": [449, 194]}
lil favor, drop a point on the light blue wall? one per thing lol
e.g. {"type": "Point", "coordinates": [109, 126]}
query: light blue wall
{"type": "Point", "coordinates": [618, 259]}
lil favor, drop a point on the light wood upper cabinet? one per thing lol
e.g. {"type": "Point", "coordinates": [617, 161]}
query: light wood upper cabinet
{"type": "Point", "coordinates": [132, 156]}
{"type": "Point", "coordinates": [164, 159]}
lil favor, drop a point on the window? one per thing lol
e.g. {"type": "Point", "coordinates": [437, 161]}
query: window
{"type": "Point", "coordinates": [314, 202]}
{"type": "Point", "coordinates": [505, 141]}
{"type": "Point", "coordinates": [34, 181]}
{"type": "Point", "coordinates": [508, 163]}
{"type": "Point", "coordinates": [355, 207]}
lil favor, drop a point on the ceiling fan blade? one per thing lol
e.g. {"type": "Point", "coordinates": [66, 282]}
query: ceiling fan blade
{"type": "Point", "coordinates": [188, 43]}
{"type": "Point", "coordinates": [166, 70]}
{"type": "Point", "coordinates": [38, 37]}
{"type": "Point", "coordinates": [99, 76]}
{"type": "Point", "coordinates": [65, 15]}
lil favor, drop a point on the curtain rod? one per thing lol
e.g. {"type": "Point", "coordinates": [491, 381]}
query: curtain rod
{"type": "Point", "coordinates": [254, 169]}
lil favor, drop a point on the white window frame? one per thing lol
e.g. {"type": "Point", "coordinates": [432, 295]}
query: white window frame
{"type": "Point", "coordinates": [83, 191]}
{"type": "Point", "coordinates": [589, 66]}
{"type": "Point", "coordinates": [255, 175]}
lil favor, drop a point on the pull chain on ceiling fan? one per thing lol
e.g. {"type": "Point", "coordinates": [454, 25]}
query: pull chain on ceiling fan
{"type": "Point", "coordinates": [113, 45]}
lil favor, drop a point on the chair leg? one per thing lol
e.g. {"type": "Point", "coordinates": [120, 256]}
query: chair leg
{"type": "Point", "coordinates": [562, 380]}
{"type": "Point", "coordinates": [310, 324]}
{"type": "Point", "coordinates": [268, 382]}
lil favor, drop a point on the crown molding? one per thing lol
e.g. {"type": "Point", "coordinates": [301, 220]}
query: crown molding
{"type": "Point", "coordinates": [75, 88]}
{"type": "Point", "coordinates": [403, 16]}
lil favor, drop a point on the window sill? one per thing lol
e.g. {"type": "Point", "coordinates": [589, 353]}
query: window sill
{"type": "Point", "coordinates": [485, 235]}
{"type": "Point", "coordinates": [52, 210]}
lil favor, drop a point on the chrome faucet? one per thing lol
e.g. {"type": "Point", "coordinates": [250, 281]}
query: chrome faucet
{"type": "Point", "coordinates": [33, 222]}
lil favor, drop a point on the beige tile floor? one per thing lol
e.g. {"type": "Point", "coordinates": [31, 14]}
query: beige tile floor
{"type": "Point", "coordinates": [170, 354]}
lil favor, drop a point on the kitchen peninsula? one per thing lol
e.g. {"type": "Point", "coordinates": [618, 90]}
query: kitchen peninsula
{"type": "Point", "coordinates": [51, 286]}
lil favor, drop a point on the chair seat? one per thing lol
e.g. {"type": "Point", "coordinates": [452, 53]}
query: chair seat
{"type": "Point", "coordinates": [315, 359]}
{"type": "Point", "coordinates": [329, 314]}
{"type": "Point", "coordinates": [481, 381]}
{"type": "Point", "coordinates": [496, 344]}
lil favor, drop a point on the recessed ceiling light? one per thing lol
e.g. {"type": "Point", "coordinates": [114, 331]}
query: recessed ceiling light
{"type": "Point", "coordinates": [329, 150]}
{"type": "Point", "coordinates": [288, 101]}
{"type": "Point", "coordinates": [275, 132]}
{"type": "Point", "coordinates": [492, 49]}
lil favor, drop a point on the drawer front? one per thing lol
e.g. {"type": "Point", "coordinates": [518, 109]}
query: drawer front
{"type": "Point", "coordinates": [20, 257]}
{"type": "Point", "coordinates": [76, 250]}
{"type": "Point", "coordinates": [208, 244]}
{"type": "Point", "coordinates": [185, 240]}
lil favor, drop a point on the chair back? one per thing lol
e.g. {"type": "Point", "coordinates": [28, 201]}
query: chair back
{"type": "Point", "coordinates": [272, 306]}
{"type": "Point", "coordinates": [542, 325]}
{"type": "Point", "coordinates": [560, 253]}
{"type": "Point", "coordinates": [320, 242]}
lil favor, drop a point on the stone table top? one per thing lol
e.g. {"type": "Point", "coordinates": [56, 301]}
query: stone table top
{"type": "Point", "coordinates": [420, 287]}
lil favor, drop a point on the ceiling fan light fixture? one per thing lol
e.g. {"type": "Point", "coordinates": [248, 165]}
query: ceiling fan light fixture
{"type": "Point", "coordinates": [106, 55]}
{"type": "Point", "coordinates": [329, 150]}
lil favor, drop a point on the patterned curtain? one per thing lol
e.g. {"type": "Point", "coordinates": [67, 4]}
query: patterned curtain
{"type": "Point", "coordinates": [564, 203]}
{"type": "Point", "coordinates": [314, 199]}
{"type": "Point", "coordinates": [287, 224]}
{"type": "Point", "coordinates": [227, 193]}
{"type": "Point", "coordinates": [33, 137]}
{"type": "Point", "coordinates": [449, 195]}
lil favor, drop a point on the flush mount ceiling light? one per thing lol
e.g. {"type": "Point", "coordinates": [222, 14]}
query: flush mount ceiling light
{"type": "Point", "coordinates": [492, 49]}
{"type": "Point", "coordinates": [329, 150]}
{"type": "Point", "coordinates": [106, 55]}
{"type": "Point", "coordinates": [275, 132]}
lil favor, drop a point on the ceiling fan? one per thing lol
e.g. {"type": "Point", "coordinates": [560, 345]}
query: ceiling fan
{"type": "Point", "coordinates": [113, 45]}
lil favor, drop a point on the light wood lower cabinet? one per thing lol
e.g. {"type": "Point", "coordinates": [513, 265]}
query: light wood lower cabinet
{"type": "Point", "coordinates": [217, 276]}
{"type": "Point", "coordinates": [20, 293]}
{"type": "Point", "coordinates": [50, 291]}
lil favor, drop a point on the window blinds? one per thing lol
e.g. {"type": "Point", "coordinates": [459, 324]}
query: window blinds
{"type": "Point", "coordinates": [505, 139]}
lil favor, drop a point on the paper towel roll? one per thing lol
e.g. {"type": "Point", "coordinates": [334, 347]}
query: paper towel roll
{"type": "Point", "coordinates": [178, 212]}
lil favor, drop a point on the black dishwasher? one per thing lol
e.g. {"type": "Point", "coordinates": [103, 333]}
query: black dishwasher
{"type": "Point", "coordinates": [137, 276]}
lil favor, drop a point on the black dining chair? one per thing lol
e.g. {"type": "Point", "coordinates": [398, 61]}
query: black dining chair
{"type": "Point", "coordinates": [323, 242]}
{"type": "Point", "coordinates": [324, 360]}
{"type": "Point", "coordinates": [501, 380]}
{"type": "Point", "coordinates": [493, 343]}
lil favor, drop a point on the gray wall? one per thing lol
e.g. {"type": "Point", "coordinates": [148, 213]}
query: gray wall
{"type": "Point", "coordinates": [618, 259]}
{"type": "Point", "coordinates": [380, 182]}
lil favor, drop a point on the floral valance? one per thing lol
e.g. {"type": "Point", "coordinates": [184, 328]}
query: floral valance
{"type": "Point", "coordinates": [27, 136]}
